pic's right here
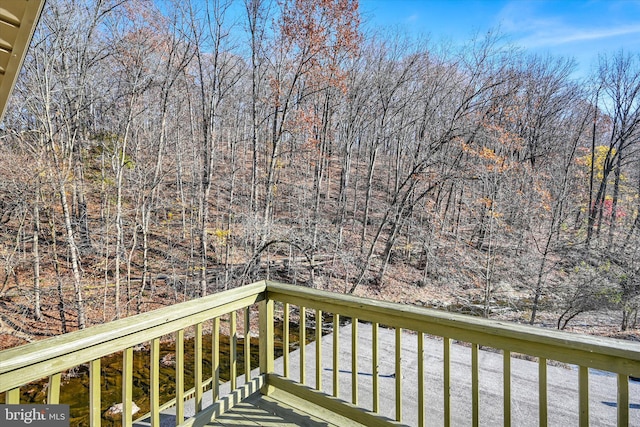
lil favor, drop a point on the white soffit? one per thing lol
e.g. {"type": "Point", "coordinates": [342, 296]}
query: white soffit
{"type": "Point", "coordinates": [18, 19]}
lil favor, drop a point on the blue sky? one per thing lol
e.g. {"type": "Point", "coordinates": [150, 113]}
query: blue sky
{"type": "Point", "coordinates": [578, 29]}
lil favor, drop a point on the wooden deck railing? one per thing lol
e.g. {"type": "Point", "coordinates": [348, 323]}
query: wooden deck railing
{"type": "Point", "coordinates": [618, 357]}
{"type": "Point", "coordinates": [50, 358]}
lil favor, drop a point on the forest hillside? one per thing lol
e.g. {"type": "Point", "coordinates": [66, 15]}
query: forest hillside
{"type": "Point", "coordinates": [157, 151]}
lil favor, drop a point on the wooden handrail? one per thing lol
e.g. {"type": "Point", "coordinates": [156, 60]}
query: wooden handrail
{"type": "Point", "coordinates": [608, 354]}
{"type": "Point", "coordinates": [39, 359]}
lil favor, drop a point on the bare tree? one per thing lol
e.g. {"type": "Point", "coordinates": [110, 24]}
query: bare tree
{"type": "Point", "coordinates": [619, 88]}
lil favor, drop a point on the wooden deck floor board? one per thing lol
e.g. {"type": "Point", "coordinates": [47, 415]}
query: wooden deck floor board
{"type": "Point", "coordinates": [280, 409]}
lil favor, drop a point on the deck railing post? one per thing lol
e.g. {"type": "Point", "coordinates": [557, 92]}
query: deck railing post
{"type": "Point", "coordinates": [623, 400]}
{"type": "Point", "coordinates": [197, 368]}
{"type": "Point", "coordinates": [420, 379]}
{"type": "Point", "coordinates": [285, 339]}
{"type": "Point", "coordinates": [12, 397]}
{"type": "Point", "coordinates": [233, 350]}
{"type": "Point", "coordinates": [318, 349]}
{"type": "Point", "coordinates": [179, 376]}
{"type": "Point", "coordinates": [94, 393]}
{"type": "Point", "coordinates": [154, 380]}
{"type": "Point", "coordinates": [583, 392]}
{"type": "Point", "coordinates": [354, 360]}
{"type": "Point", "coordinates": [506, 387]}
{"type": "Point", "coordinates": [53, 391]}
{"type": "Point", "coordinates": [266, 342]}
{"type": "Point", "coordinates": [302, 344]}
{"type": "Point", "coordinates": [336, 352]}
{"type": "Point", "coordinates": [215, 358]}
{"type": "Point", "coordinates": [447, 380]}
{"type": "Point", "coordinates": [247, 345]}
{"type": "Point", "coordinates": [542, 392]}
{"type": "Point", "coordinates": [374, 368]}
{"type": "Point", "coordinates": [398, 374]}
{"type": "Point", "coordinates": [127, 387]}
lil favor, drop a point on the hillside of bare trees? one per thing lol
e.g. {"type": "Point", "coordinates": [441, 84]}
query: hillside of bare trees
{"type": "Point", "coordinates": [158, 151]}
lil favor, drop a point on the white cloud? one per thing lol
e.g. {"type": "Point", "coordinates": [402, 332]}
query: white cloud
{"type": "Point", "coordinates": [538, 24]}
{"type": "Point", "coordinates": [559, 35]}
{"type": "Point", "coordinates": [412, 18]}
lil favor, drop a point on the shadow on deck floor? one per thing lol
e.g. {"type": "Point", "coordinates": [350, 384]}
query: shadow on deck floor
{"type": "Point", "coordinates": [277, 410]}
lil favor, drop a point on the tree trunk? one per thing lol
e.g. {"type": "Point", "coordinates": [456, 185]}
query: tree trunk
{"type": "Point", "coordinates": [73, 251]}
{"type": "Point", "coordinates": [56, 266]}
{"type": "Point", "coordinates": [614, 202]}
{"type": "Point", "coordinates": [37, 312]}
{"type": "Point", "coordinates": [367, 199]}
